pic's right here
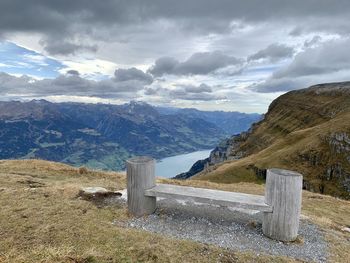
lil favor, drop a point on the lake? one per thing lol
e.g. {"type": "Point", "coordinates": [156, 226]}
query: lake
{"type": "Point", "coordinates": [172, 166]}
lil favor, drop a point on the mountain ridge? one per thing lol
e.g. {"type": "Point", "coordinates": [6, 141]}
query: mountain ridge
{"type": "Point", "coordinates": [305, 130]}
{"type": "Point", "coordinates": [99, 136]}
{"type": "Point", "coordinates": [223, 119]}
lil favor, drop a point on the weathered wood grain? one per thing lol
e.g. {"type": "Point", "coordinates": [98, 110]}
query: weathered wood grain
{"type": "Point", "coordinates": [281, 204]}
{"type": "Point", "coordinates": [140, 176]}
{"type": "Point", "coordinates": [210, 196]}
{"type": "Point", "coordinates": [283, 192]}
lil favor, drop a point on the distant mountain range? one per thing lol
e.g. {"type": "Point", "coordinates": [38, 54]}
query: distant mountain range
{"type": "Point", "coordinates": [306, 130]}
{"type": "Point", "coordinates": [103, 136]}
{"type": "Point", "coordinates": [231, 122]}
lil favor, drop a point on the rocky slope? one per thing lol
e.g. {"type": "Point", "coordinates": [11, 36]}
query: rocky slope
{"type": "Point", "coordinates": [221, 153]}
{"type": "Point", "coordinates": [305, 130]}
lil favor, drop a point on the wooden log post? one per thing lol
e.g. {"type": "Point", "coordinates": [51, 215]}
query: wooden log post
{"type": "Point", "coordinates": [283, 192]}
{"type": "Point", "coordinates": [140, 176]}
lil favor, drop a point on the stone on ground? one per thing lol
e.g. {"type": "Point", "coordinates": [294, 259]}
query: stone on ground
{"type": "Point", "coordinates": [97, 192]}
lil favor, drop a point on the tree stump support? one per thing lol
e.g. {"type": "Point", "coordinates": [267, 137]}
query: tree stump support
{"type": "Point", "coordinates": [281, 205]}
{"type": "Point", "coordinates": [140, 176]}
{"type": "Point", "coordinates": [283, 192]}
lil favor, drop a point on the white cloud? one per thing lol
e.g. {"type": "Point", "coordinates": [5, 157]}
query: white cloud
{"type": "Point", "coordinates": [326, 62]}
{"type": "Point", "coordinates": [90, 68]}
{"type": "Point", "coordinates": [4, 65]}
{"type": "Point", "coordinates": [227, 46]}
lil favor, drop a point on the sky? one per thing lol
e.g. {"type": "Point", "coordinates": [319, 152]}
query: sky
{"type": "Point", "coordinates": [212, 55]}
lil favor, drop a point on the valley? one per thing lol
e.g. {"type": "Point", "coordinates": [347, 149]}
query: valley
{"type": "Point", "coordinates": [103, 136]}
{"type": "Point", "coordinates": [174, 131]}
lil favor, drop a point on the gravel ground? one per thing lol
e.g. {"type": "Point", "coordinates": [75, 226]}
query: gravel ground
{"type": "Point", "coordinates": [229, 228]}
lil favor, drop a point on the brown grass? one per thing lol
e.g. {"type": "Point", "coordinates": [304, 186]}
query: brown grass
{"type": "Point", "coordinates": [284, 153]}
{"type": "Point", "coordinates": [42, 220]}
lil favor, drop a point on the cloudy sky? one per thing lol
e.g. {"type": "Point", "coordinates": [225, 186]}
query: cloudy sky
{"type": "Point", "coordinates": [214, 55]}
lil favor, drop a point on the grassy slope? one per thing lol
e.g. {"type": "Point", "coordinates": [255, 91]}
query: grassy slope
{"type": "Point", "coordinates": [296, 125]}
{"type": "Point", "coordinates": [48, 223]}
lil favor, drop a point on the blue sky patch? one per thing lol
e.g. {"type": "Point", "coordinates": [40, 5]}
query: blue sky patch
{"type": "Point", "coordinates": [18, 60]}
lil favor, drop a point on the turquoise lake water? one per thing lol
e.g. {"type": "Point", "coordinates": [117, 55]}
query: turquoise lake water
{"type": "Point", "coordinates": [171, 166]}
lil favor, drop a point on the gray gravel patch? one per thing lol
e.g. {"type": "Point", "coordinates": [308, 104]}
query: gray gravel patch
{"type": "Point", "coordinates": [228, 228]}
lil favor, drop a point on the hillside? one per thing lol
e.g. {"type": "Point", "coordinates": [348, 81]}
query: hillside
{"type": "Point", "coordinates": [305, 130]}
{"type": "Point", "coordinates": [43, 219]}
{"type": "Point", "coordinates": [98, 135]}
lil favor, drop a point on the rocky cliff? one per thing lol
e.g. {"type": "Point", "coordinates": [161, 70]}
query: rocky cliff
{"type": "Point", "coordinates": [306, 130]}
{"type": "Point", "coordinates": [221, 153]}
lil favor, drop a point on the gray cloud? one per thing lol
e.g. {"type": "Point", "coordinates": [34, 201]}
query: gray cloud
{"type": "Point", "coordinates": [151, 91]}
{"type": "Point", "coordinates": [116, 11]}
{"type": "Point", "coordinates": [273, 52]}
{"type": "Point", "coordinates": [202, 92]}
{"type": "Point", "coordinates": [124, 85]}
{"type": "Point", "coordinates": [205, 62]}
{"type": "Point", "coordinates": [278, 85]}
{"type": "Point", "coordinates": [198, 89]}
{"type": "Point", "coordinates": [296, 31]}
{"type": "Point", "coordinates": [312, 42]}
{"type": "Point", "coordinates": [329, 57]}
{"type": "Point", "coordinates": [8, 83]}
{"type": "Point", "coordinates": [130, 74]}
{"type": "Point", "coordinates": [330, 24]}
{"type": "Point", "coordinates": [184, 35]}
{"type": "Point", "coordinates": [164, 65]}
{"type": "Point", "coordinates": [55, 47]}
{"type": "Point", "coordinates": [200, 63]}
{"type": "Point", "coordinates": [64, 21]}
{"type": "Point", "coordinates": [196, 96]}
{"type": "Point", "coordinates": [202, 88]}
{"type": "Point", "coordinates": [73, 72]}
{"type": "Point", "coordinates": [326, 62]}
{"type": "Point", "coordinates": [203, 96]}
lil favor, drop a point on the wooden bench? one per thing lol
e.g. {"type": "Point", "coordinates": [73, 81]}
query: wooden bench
{"type": "Point", "coordinates": [281, 204]}
{"type": "Point", "coordinates": [209, 196]}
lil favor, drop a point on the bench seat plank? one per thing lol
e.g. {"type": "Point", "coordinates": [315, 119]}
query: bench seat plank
{"type": "Point", "coordinates": [210, 196]}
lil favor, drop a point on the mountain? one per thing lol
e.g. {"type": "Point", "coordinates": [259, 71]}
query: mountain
{"type": "Point", "coordinates": [306, 130]}
{"type": "Point", "coordinates": [232, 122]}
{"type": "Point", "coordinates": [99, 135]}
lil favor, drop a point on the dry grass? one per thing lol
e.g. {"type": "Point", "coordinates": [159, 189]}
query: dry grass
{"type": "Point", "coordinates": [293, 135]}
{"type": "Point", "coordinates": [284, 153]}
{"type": "Point", "coordinates": [42, 220]}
